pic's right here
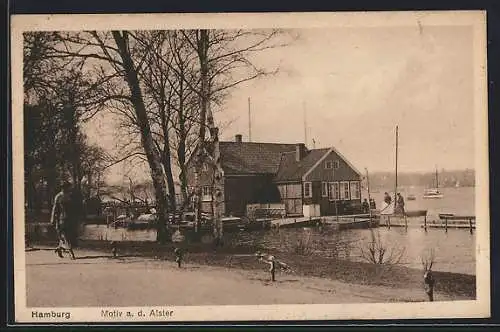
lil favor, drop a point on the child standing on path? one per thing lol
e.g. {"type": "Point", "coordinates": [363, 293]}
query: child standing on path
{"type": "Point", "coordinates": [178, 256]}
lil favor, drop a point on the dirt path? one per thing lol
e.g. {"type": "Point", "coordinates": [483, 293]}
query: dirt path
{"type": "Point", "coordinates": [95, 279]}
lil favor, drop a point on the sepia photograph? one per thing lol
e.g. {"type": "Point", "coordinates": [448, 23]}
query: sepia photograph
{"type": "Point", "coordinates": [244, 167]}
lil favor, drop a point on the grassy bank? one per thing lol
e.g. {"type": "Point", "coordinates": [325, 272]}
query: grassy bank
{"type": "Point", "coordinates": [453, 284]}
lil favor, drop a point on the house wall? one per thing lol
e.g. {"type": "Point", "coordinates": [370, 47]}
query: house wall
{"type": "Point", "coordinates": [291, 196]}
{"type": "Point", "coordinates": [344, 172]}
{"type": "Point", "coordinates": [320, 174]}
{"type": "Point", "coordinates": [239, 190]}
{"type": "Point", "coordinates": [248, 189]}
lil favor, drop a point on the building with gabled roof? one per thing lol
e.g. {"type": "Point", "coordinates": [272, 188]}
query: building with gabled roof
{"type": "Point", "coordinates": [306, 182]}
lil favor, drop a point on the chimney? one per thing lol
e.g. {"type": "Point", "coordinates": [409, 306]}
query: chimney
{"type": "Point", "coordinates": [300, 151]}
{"type": "Point", "coordinates": [238, 138]}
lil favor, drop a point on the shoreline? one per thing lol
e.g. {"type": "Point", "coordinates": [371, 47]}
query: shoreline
{"type": "Point", "coordinates": [455, 285]}
{"type": "Point", "coordinates": [149, 282]}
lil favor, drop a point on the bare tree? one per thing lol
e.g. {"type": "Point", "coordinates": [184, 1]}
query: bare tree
{"type": "Point", "coordinates": [152, 154]}
{"type": "Point", "coordinates": [225, 61]}
{"type": "Point", "coordinates": [203, 68]}
{"type": "Point", "coordinates": [115, 61]}
{"type": "Point", "coordinates": [378, 252]}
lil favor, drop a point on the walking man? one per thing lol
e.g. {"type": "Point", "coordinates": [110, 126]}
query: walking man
{"type": "Point", "coordinates": [63, 219]}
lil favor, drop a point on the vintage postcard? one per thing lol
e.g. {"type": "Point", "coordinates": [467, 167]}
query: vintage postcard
{"type": "Point", "coordinates": [246, 167]}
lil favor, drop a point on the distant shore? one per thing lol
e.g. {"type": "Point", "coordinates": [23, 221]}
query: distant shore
{"type": "Point", "coordinates": [454, 285]}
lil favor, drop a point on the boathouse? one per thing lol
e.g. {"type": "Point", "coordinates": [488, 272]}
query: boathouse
{"type": "Point", "coordinates": [303, 181]}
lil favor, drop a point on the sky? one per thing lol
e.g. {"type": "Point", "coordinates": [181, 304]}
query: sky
{"type": "Point", "coordinates": [354, 86]}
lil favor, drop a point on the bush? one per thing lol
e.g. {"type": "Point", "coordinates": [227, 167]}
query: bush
{"type": "Point", "coordinates": [380, 253]}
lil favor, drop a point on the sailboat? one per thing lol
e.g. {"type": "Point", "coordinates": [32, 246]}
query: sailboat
{"type": "Point", "coordinates": [390, 209]}
{"type": "Point", "coordinates": [433, 193]}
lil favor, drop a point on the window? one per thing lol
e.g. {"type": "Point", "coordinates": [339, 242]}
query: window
{"type": "Point", "coordinates": [344, 190]}
{"type": "Point", "coordinates": [336, 164]}
{"type": "Point", "coordinates": [328, 164]}
{"type": "Point", "coordinates": [333, 191]}
{"type": "Point", "coordinates": [325, 189]}
{"type": "Point", "coordinates": [307, 190]}
{"type": "Point", "coordinates": [205, 168]}
{"type": "Point", "coordinates": [336, 191]}
{"type": "Point", "coordinates": [355, 190]}
{"type": "Point", "coordinates": [206, 194]}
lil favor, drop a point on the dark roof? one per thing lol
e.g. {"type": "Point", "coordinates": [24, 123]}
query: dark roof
{"type": "Point", "coordinates": [291, 170]}
{"type": "Point", "coordinates": [252, 158]}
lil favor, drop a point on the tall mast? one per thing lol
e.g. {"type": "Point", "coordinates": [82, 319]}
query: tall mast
{"type": "Point", "coordinates": [305, 123]}
{"type": "Point", "coordinates": [437, 181]}
{"type": "Point", "coordinates": [249, 122]}
{"type": "Point", "coordinates": [396, 188]}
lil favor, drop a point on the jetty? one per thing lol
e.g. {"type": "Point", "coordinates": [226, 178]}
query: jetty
{"type": "Point", "coordinates": [446, 221]}
{"type": "Point", "coordinates": [291, 222]}
{"type": "Point", "coordinates": [339, 222]}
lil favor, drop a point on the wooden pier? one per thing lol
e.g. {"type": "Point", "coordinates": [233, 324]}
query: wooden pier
{"type": "Point", "coordinates": [340, 222]}
{"type": "Point", "coordinates": [446, 221]}
{"type": "Point", "coordinates": [295, 222]}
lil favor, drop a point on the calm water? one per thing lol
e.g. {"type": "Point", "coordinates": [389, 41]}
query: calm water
{"type": "Point", "coordinates": [455, 200]}
{"type": "Point", "coordinates": [454, 251]}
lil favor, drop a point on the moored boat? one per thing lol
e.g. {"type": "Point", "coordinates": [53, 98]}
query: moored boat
{"type": "Point", "coordinates": [432, 193]}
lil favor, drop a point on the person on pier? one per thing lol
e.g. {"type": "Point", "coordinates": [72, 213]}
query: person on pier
{"type": "Point", "coordinates": [387, 198]}
{"type": "Point", "coordinates": [400, 204]}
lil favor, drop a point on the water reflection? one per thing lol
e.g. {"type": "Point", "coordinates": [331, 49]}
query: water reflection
{"type": "Point", "coordinates": [454, 251]}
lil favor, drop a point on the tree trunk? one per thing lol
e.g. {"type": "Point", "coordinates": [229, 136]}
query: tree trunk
{"type": "Point", "coordinates": [181, 155]}
{"type": "Point", "coordinates": [213, 149]}
{"type": "Point", "coordinates": [181, 148]}
{"type": "Point", "coordinates": [152, 154]}
{"type": "Point", "coordinates": [200, 152]}
{"type": "Point", "coordinates": [167, 165]}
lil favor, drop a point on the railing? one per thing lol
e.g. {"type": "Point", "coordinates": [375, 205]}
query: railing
{"type": "Point", "coordinates": [455, 221]}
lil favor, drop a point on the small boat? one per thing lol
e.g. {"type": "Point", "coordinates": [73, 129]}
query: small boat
{"type": "Point", "coordinates": [433, 193]}
{"type": "Point", "coordinates": [411, 197]}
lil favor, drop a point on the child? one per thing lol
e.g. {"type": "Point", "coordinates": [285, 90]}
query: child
{"type": "Point", "coordinates": [273, 262]}
{"type": "Point", "coordinates": [272, 267]}
{"type": "Point", "coordinates": [114, 249]}
{"type": "Point", "coordinates": [178, 256]}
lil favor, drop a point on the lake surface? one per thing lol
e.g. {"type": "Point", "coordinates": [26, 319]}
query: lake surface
{"type": "Point", "coordinates": [459, 201]}
{"type": "Point", "coordinates": [454, 251]}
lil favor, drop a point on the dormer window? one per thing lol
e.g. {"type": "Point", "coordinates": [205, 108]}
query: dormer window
{"type": "Point", "coordinates": [329, 164]}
